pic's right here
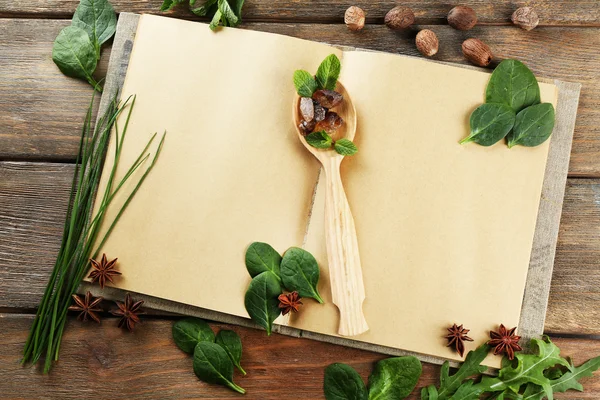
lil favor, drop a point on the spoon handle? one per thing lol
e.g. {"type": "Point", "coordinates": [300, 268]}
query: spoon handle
{"type": "Point", "coordinates": [342, 253]}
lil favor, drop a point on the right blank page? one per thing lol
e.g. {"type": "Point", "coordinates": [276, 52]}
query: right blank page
{"type": "Point", "coordinates": [445, 230]}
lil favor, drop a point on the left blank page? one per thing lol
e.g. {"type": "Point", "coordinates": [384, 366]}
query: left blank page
{"type": "Point", "coordinates": [231, 171]}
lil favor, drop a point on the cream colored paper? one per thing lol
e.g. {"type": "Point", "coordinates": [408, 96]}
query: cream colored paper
{"type": "Point", "coordinates": [445, 230]}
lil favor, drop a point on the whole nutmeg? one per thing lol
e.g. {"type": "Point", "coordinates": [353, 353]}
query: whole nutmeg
{"type": "Point", "coordinates": [525, 18]}
{"type": "Point", "coordinates": [427, 42]}
{"type": "Point", "coordinates": [399, 18]}
{"type": "Point", "coordinates": [462, 18]}
{"type": "Point", "coordinates": [354, 18]}
{"type": "Point", "coordinates": [477, 52]}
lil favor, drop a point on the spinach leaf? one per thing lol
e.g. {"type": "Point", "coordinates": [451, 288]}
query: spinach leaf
{"type": "Point", "coordinates": [300, 273]}
{"type": "Point", "coordinates": [342, 382]}
{"type": "Point", "coordinates": [75, 54]}
{"type": "Point", "coordinates": [533, 126]}
{"type": "Point", "coordinates": [305, 83]}
{"type": "Point", "coordinates": [231, 343]}
{"type": "Point", "coordinates": [394, 378]}
{"type": "Point", "coordinates": [98, 19]}
{"type": "Point", "coordinates": [320, 140]}
{"type": "Point", "coordinates": [329, 72]}
{"type": "Point", "coordinates": [188, 332]}
{"type": "Point", "coordinates": [345, 147]}
{"type": "Point", "coordinates": [261, 257]}
{"type": "Point", "coordinates": [513, 84]}
{"type": "Point", "coordinates": [261, 300]}
{"type": "Point", "coordinates": [490, 123]}
{"type": "Point", "coordinates": [212, 365]}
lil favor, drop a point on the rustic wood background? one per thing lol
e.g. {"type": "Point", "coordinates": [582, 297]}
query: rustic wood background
{"type": "Point", "coordinates": [41, 112]}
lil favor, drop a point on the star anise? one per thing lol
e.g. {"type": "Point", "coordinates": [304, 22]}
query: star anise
{"type": "Point", "coordinates": [86, 307]}
{"type": "Point", "coordinates": [457, 337]}
{"type": "Point", "coordinates": [103, 271]}
{"type": "Point", "coordinates": [128, 311]}
{"type": "Point", "coordinates": [289, 302]}
{"type": "Point", "coordinates": [505, 341]}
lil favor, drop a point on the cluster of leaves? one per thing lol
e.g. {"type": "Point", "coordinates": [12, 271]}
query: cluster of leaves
{"type": "Point", "coordinates": [391, 379]}
{"type": "Point", "coordinates": [76, 49]}
{"type": "Point", "coordinates": [512, 109]}
{"type": "Point", "coordinates": [296, 271]}
{"type": "Point", "coordinates": [214, 356]}
{"type": "Point", "coordinates": [306, 85]}
{"type": "Point", "coordinates": [529, 377]}
{"type": "Point", "coordinates": [224, 12]}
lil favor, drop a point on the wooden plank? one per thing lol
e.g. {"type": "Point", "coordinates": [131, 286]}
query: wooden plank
{"type": "Point", "coordinates": [557, 12]}
{"type": "Point", "coordinates": [33, 201]}
{"type": "Point", "coordinates": [41, 110]}
{"type": "Point", "coordinates": [112, 363]}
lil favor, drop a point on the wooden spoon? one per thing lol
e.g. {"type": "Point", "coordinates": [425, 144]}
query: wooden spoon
{"type": "Point", "coordinates": [340, 234]}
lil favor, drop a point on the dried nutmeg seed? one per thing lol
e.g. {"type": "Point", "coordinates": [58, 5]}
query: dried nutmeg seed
{"type": "Point", "coordinates": [427, 42]}
{"type": "Point", "coordinates": [354, 18]}
{"type": "Point", "coordinates": [477, 52]}
{"type": "Point", "coordinates": [399, 18]}
{"type": "Point", "coordinates": [462, 18]}
{"type": "Point", "coordinates": [525, 18]}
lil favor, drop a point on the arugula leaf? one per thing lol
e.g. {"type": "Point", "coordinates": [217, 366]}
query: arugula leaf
{"type": "Point", "coordinates": [329, 72]}
{"type": "Point", "coordinates": [167, 5]}
{"type": "Point", "coordinates": [490, 123]}
{"type": "Point", "coordinates": [394, 378]}
{"type": "Point", "coordinates": [212, 365]}
{"type": "Point", "coordinates": [342, 382]}
{"type": "Point", "coordinates": [320, 140]}
{"type": "Point", "coordinates": [188, 332]}
{"type": "Point", "coordinates": [533, 126]}
{"type": "Point", "coordinates": [261, 257]}
{"type": "Point", "coordinates": [231, 343]}
{"type": "Point", "coordinates": [345, 147]}
{"type": "Point", "coordinates": [261, 300]}
{"type": "Point", "coordinates": [300, 273]}
{"type": "Point", "coordinates": [98, 19]}
{"type": "Point", "coordinates": [75, 55]}
{"type": "Point", "coordinates": [305, 83]}
{"type": "Point", "coordinates": [513, 84]}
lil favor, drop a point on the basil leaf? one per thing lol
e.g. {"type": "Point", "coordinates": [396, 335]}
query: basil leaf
{"type": "Point", "coordinates": [533, 126]}
{"type": "Point", "coordinates": [345, 147]}
{"type": "Point", "coordinates": [513, 84]}
{"type": "Point", "coordinates": [329, 72]}
{"type": "Point", "coordinates": [228, 13]}
{"type": "Point", "coordinates": [342, 382]}
{"type": "Point", "coordinates": [261, 257]}
{"type": "Point", "coordinates": [261, 300]}
{"type": "Point", "coordinates": [231, 343]}
{"type": "Point", "coordinates": [188, 332]}
{"type": "Point", "coordinates": [320, 140]}
{"type": "Point", "coordinates": [305, 83]}
{"type": "Point", "coordinates": [212, 365]}
{"type": "Point", "coordinates": [75, 55]}
{"type": "Point", "coordinates": [300, 273]}
{"type": "Point", "coordinates": [167, 5]}
{"type": "Point", "coordinates": [394, 378]}
{"type": "Point", "coordinates": [490, 123]}
{"type": "Point", "coordinates": [98, 19]}
{"type": "Point", "coordinates": [205, 9]}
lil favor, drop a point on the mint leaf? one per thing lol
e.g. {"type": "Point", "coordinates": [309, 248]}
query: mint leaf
{"type": "Point", "coordinates": [329, 72]}
{"type": "Point", "coordinates": [227, 11]}
{"type": "Point", "coordinates": [214, 23]}
{"type": "Point", "coordinates": [167, 5]}
{"type": "Point", "coordinates": [305, 83]}
{"type": "Point", "coordinates": [320, 140]}
{"type": "Point", "coordinates": [205, 9]}
{"type": "Point", "coordinates": [345, 147]}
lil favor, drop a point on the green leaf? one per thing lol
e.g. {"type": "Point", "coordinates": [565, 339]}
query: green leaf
{"type": "Point", "coordinates": [212, 365]}
{"type": "Point", "coordinates": [305, 83]}
{"type": "Point", "coordinates": [328, 72]}
{"type": "Point", "coordinates": [513, 84]}
{"type": "Point", "coordinates": [98, 19]}
{"type": "Point", "coordinates": [467, 391]}
{"type": "Point", "coordinates": [490, 123]}
{"type": "Point", "coordinates": [237, 5]}
{"type": "Point", "coordinates": [261, 257]}
{"type": "Point", "coordinates": [345, 147]}
{"type": "Point", "coordinates": [320, 140]}
{"type": "Point", "coordinates": [167, 5]}
{"type": "Point", "coordinates": [300, 273]}
{"type": "Point", "coordinates": [342, 382]}
{"type": "Point", "coordinates": [228, 13]}
{"type": "Point", "coordinates": [188, 332]}
{"type": "Point", "coordinates": [75, 55]}
{"type": "Point", "coordinates": [231, 343]}
{"type": "Point", "coordinates": [206, 8]}
{"type": "Point", "coordinates": [261, 300]}
{"type": "Point", "coordinates": [429, 393]}
{"type": "Point", "coordinates": [214, 23]}
{"type": "Point", "coordinates": [533, 126]}
{"type": "Point", "coordinates": [394, 378]}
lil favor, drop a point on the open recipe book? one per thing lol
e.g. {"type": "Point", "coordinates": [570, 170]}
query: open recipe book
{"type": "Point", "coordinates": [445, 231]}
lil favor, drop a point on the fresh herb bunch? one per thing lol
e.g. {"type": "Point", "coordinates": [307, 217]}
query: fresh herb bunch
{"type": "Point", "coordinates": [214, 356]}
{"type": "Point", "coordinates": [224, 12]}
{"type": "Point", "coordinates": [76, 49]}
{"type": "Point", "coordinates": [81, 232]}
{"type": "Point", "coordinates": [296, 271]}
{"type": "Point", "coordinates": [512, 109]}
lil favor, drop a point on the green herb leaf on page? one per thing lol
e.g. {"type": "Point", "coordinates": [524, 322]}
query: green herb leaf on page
{"type": "Point", "coordinates": [212, 365]}
{"type": "Point", "coordinates": [261, 300]}
{"type": "Point", "coordinates": [305, 83]}
{"type": "Point", "coordinates": [231, 343]}
{"type": "Point", "coordinates": [98, 19]}
{"type": "Point", "coordinates": [320, 140]}
{"type": "Point", "coordinates": [261, 257]}
{"type": "Point", "coordinates": [490, 123]}
{"type": "Point", "coordinates": [75, 55]}
{"type": "Point", "coordinates": [230, 18]}
{"type": "Point", "coordinates": [188, 332]}
{"type": "Point", "coordinates": [533, 126]}
{"type": "Point", "coordinates": [394, 378]}
{"type": "Point", "coordinates": [329, 72]}
{"type": "Point", "coordinates": [300, 273]}
{"type": "Point", "coordinates": [342, 382]}
{"type": "Point", "coordinates": [345, 147]}
{"type": "Point", "coordinates": [513, 84]}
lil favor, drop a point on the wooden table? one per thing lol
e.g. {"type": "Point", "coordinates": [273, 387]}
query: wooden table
{"type": "Point", "coordinates": [41, 112]}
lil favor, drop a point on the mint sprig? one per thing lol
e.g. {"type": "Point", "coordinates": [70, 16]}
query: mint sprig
{"type": "Point", "coordinates": [221, 12]}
